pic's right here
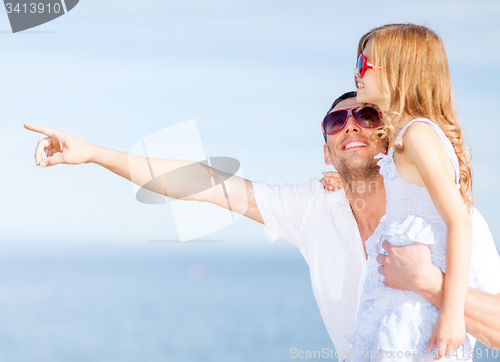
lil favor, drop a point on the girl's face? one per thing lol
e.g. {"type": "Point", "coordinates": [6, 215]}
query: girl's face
{"type": "Point", "coordinates": [367, 87]}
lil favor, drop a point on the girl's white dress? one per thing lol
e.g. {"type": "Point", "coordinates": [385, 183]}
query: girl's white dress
{"type": "Point", "coordinates": [390, 319]}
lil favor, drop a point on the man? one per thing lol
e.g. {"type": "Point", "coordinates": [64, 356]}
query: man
{"type": "Point", "coordinates": [330, 228]}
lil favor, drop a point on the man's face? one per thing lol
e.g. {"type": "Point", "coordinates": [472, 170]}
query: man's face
{"type": "Point", "coordinates": [351, 150]}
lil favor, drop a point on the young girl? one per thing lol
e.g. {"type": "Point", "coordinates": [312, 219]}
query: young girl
{"type": "Point", "coordinates": [403, 69]}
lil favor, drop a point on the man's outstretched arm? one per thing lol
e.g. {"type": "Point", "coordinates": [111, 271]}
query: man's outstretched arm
{"type": "Point", "coordinates": [410, 268]}
{"type": "Point", "coordinates": [185, 180]}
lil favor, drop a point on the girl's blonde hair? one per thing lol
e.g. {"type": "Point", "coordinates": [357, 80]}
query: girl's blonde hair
{"type": "Point", "coordinates": [415, 78]}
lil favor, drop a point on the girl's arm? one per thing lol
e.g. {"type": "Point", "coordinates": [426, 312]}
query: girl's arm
{"type": "Point", "coordinates": [482, 311]}
{"type": "Point", "coordinates": [424, 150]}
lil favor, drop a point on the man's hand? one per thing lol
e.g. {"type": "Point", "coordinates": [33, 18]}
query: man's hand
{"type": "Point", "coordinates": [72, 150]}
{"type": "Point", "coordinates": [410, 267]}
{"type": "Point", "coordinates": [331, 181]}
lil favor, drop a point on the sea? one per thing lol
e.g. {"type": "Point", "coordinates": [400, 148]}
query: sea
{"type": "Point", "coordinates": [160, 300]}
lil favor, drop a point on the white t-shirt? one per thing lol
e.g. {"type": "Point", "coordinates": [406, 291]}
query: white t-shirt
{"type": "Point", "coordinates": [321, 224]}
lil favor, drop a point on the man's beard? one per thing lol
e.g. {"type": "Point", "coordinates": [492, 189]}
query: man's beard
{"type": "Point", "coordinates": [360, 170]}
{"type": "Point", "coordinates": [353, 174]}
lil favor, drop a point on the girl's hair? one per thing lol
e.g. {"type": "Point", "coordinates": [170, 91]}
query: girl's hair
{"type": "Point", "coordinates": [415, 78]}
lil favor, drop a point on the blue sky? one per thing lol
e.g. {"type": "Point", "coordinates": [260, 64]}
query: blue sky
{"type": "Point", "coordinates": [258, 77]}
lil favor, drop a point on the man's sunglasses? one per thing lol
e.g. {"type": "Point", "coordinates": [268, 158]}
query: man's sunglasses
{"type": "Point", "coordinates": [367, 116]}
{"type": "Point", "coordinates": [363, 65]}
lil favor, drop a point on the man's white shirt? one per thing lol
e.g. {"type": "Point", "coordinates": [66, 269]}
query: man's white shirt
{"type": "Point", "coordinates": [321, 224]}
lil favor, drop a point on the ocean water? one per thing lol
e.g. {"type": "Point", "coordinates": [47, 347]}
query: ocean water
{"type": "Point", "coordinates": [157, 301]}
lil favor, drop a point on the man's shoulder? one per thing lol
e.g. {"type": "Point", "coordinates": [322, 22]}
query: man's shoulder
{"type": "Point", "coordinates": [485, 258]}
{"type": "Point", "coordinates": [477, 217]}
{"type": "Point", "coordinates": [479, 225]}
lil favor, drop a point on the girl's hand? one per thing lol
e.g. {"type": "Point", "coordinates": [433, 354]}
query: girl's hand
{"type": "Point", "coordinates": [72, 150]}
{"type": "Point", "coordinates": [449, 333]}
{"type": "Point", "coordinates": [331, 181]}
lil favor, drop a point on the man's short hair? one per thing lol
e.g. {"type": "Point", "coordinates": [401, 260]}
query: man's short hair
{"type": "Point", "coordinates": [343, 97]}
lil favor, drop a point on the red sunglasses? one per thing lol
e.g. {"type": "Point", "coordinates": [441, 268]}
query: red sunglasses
{"type": "Point", "coordinates": [363, 64]}
{"type": "Point", "coordinates": [369, 116]}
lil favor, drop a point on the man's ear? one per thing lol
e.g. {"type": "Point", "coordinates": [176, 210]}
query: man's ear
{"type": "Point", "coordinates": [328, 160]}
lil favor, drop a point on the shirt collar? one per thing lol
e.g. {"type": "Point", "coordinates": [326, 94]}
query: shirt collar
{"type": "Point", "coordinates": [337, 199]}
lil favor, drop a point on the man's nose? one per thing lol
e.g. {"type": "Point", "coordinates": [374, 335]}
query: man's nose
{"type": "Point", "coordinates": [351, 125]}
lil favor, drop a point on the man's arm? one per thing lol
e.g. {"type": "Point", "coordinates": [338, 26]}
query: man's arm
{"type": "Point", "coordinates": [410, 268]}
{"type": "Point", "coordinates": [482, 316]}
{"type": "Point", "coordinates": [185, 180]}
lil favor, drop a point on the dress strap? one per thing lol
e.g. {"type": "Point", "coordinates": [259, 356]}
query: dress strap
{"type": "Point", "coordinates": [444, 140]}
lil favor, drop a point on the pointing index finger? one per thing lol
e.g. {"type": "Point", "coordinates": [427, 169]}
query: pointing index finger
{"type": "Point", "coordinates": [40, 129]}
